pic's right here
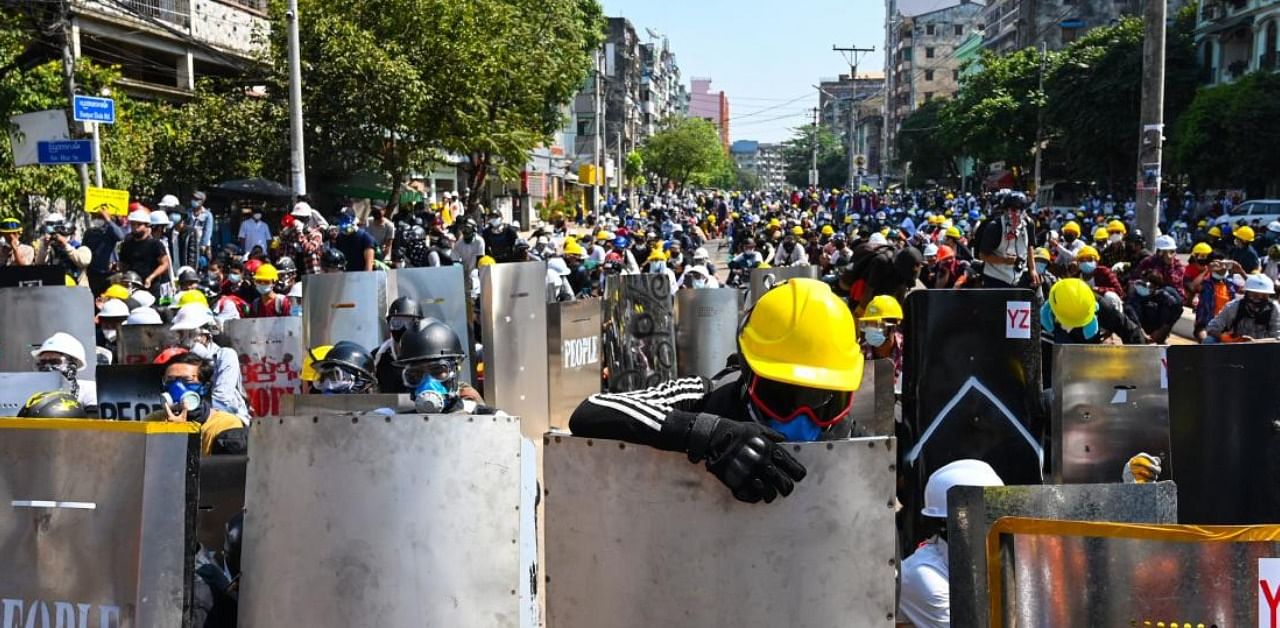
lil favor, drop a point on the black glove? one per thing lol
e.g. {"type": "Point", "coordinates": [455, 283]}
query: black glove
{"type": "Point", "coordinates": [745, 456]}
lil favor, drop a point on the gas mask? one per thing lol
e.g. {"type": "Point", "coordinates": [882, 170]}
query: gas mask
{"type": "Point", "coordinates": [800, 414]}
{"type": "Point", "coordinates": [189, 394]}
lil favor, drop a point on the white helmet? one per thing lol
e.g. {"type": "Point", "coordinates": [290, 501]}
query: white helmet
{"type": "Point", "coordinates": [143, 316]}
{"type": "Point", "coordinates": [140, 215]}
{"type": "Point", "coordinates": [63, 343]}
{"type": "Point", "coordinates": [701, 253]}
{"type": "Point", "coordinates": [1261, 284]}
{"type": "Point", "coordinates": [143, 298]}
{"type": "Point", "coordinates": [877, 239]}
{"type": "Point", "coordinates": [169, 200]}
{"type": "Point", "coordinates": [192, 316]}
{"type": "Point", "coordinates": [160, 219]}
{"type": "Point", "coordinates": [558, 266]}
{"type": "Point", "coordinates": [1166, 243]}
{"type": "Point", "coordinates": [114, 308]}
{"type": "Point", "coordinates": [930, 250]}
{"type": "Point", "coordinates": [301, 209]}
{"type": "Point", "coordinates": [1274, 226]}
{"type": "Point", "coordinates": [959, 473]}
{"type": "Point", "coordinates": [54, 218]}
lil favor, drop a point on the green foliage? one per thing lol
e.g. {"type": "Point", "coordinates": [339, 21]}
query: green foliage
{"type": "Point", "coordinates": [686, 151]}
{"type": "Point", "coordinates": [1228, 136]}
{"type": "Point", "coordinates": [920, 143]}
{"type": "Point", "coordinates": [993, 116]}
{"type": "Point", "coordinates": [797, 155]}
{"type": "Point", "coordinates": [633, 168]}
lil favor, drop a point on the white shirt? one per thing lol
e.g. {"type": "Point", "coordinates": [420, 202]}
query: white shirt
{"type": "Point", "coordinates": [255, 233]}
{"type": "Point", "coordinates": [925, 599]}
{"type": "Point", "coordinates": [469, 252]}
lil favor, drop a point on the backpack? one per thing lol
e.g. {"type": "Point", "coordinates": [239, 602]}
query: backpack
{"type": "Point", "coordinates": [859, 269]}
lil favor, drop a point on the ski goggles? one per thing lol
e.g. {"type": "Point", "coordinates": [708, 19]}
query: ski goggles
{"type": "Point", "coordinates": [441, 370]}
{"type": "Point", "coordinates": [785, 403]}
{"type": "Point", "coordinates": [400, 323]}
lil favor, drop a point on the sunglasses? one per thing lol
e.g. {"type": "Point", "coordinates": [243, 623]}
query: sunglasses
{"type": "Point", "coordinates": [785, 403]}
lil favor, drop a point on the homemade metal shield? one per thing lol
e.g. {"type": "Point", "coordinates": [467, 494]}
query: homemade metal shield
{"type": "Point", "coordinates": [573, 357]}
{"type": "Point", "coordinates": [222, 483]}
{"type": "Point", "coordinates": [1109, 403]}
{"type": "Point", "coordinates": [395, 521]}
{"type": "Point", "coordinates": [442, 295]}
{"type": "Point", "coordinates": [971, 511]}
{"type": "Point", "coordinates": [706, 329]}
{"type": "Point", "coordinates": [872, 411]}
{"type": "Point", "coordinates": [343, 404]}
{"type": "Point", "coordinates": [1223, 425]}
{"type": "Point", "coordinates": [1073, 573]}
{"type": "Point", "coordinates": [514, 325]}
{"type": "Point", "coordinates": [16, 388]}
{"type": "Point", "coordinates": [129, 392]}
{"type": "Point", "coordinates": [638, 538]}
{"type": "Point", "coordinates": [763, 279]}
{"type": "Point", "coordinates": [98, 522]}
{"type": "Point", "coordinates": [140, 344]}
{"type": "Point", "coordinates": [639, 331]}
{"type": "Point", "coordinates": [344, 306]}
{"type": "Point", "coordinates": [35, 313]}
{"type": "Point", "coordinates": [26, 276]}
{"type": "Point", "coordinates": [270, 359]}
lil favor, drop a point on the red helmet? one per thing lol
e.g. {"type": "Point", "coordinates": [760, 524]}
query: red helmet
{"type": "Point", "coordinates": [168, 354]}
{"type": "Point", "coordinates": [945, 252]}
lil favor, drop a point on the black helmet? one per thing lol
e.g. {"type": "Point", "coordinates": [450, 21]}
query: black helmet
{"type": "Point", "coordinates": [1015, 200]}
{"type": "Point", "coordinates": [56, 404]}
{"type": "Point", "coordinates": [210, 286]}
{"type": "Point", "coordinates": [405, 306]}
{"type": "Point", "coordinates": [188, 276]}
{"type": "Point", "coordinates": [232, 543]}
{"type": "Point", "coordinates": [417, 234]}
{"type": "Point", "coordinates": [352, 359]}
{"type": "Point", "coordinates": [429, 340]}
{"type": "Point", "coordinates": [285, 266]}
{"type": "Point", "coordinates": [333, 258]}
{"type": "Point", "coordinates": [131, 280]}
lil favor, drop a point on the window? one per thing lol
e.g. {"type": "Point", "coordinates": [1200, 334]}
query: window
{"type": "Point", "coordinates": [906, 54]}
{"type": "Point", "coordinates": [1069, 34]}
{"type": "Point", "coordinates": [584, 126]}
{"type": "Point", "coordinates": [955, 75]}
{"type": "Point", "coordinates": [959, 30]}
{"type": "Point", "coordinates": [928, 96]}
{"type": "Point", "coordinates": [928, 52]}
{"type": "Point", "coordinates": [928, 75]}
{"type": "Point", "coordinates": [928, 29]}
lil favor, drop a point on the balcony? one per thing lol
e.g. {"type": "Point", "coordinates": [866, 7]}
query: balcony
{"type": "Point", "coordinates": [176, 12]}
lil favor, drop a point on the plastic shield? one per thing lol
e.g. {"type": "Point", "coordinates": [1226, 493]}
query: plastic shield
{"type": "Point", "coordinates": [222, 482]}
{"type": "Point", "coordinates": [1109, 403]}
{"type": "Point", "coordinates": [514, 323]}
{"type": "Point", "coordinates": [344, 306]}
{"type": "Point", "coordinates": [35, 313]}
{"type": "Point", "coordinates": [1226, 443]}
{"type": "Point", "coordinates": [129, 392]}
{"type": "Point", "coordinates": [706, 329]}
{"type": "Point", "coordinates": [639, 331]}
{"type": "Point", "coordinates": [140, 344]}
{"type": "Point", "coordinates": [442, 295]}
{"type": "Point", "coordinates": [638, 538]}
{"type": "Point", "coordinates": [395, 521]}
{"type": "Point", "coordinates": [971, 511]}
{"type": "Point", "coordinates": [763, 279]}
{"type": "Point", "coordinates": [1074, 573]}
{"type": "Point", "coordinates": [573, 356]}
{"type": "Point", "coordinates": [872, 411]}
{"type": "Point", "coordinates": [270, 359]}
{"type": "Point", "coordinates": [98, 529]}
{"type": "Point", "coordinates": [16, 388]}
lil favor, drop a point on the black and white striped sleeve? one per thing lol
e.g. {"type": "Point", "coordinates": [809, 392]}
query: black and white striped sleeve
{"type": "Point", "coordinates": [640, 416]}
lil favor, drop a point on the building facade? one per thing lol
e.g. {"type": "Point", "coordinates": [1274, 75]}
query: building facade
{"type": "Point", "coordinates": [708, 105]}
{"type": "Point", "coordinates": [1234, 38]}
{"type": "Point", "coordinates": [662, 95]}
{"type": "Point", "coordinates": [838, 101]}
{"type": "Point", "coordinates": [764, 161]}
{"type": "Point", "coordinates": [1016, 24]}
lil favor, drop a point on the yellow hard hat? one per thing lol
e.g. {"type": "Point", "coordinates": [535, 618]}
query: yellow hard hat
{"type": "Point", "coordinates": [266, 272]}
{"type": "Point", "coordinates": [187, 297]}
{"type": "Point", "coordinates": [1215, 231]}
{"type": "Point", "coordinates": [828, 230]}
{"type": "Point", "coordinates": [316, 354]}
{"type": "Point", "coordinates": [1043, 253]}
{"type": "Point", "coordinates": [953, 232]}
{"type": "Point", "coordinates": [1073, 303]}
{"type": "Point", "coordinates": [1201, 248]}
{"type": "Point", "coordinates": [1100, 235]}
{"type": "Point", "coordinates": [656, 254]}
{"type": "Point", "coordinates": [116, 291]}
{"type": "Point", "coordinates": [603, 236]}
{"type": "Point", "coordinates": [571, 247]}
{"type": "Point", "coordinates": [848, 220]}
{"type": "Point", "coordinates": [711, 219]}
{"type": "Point", "coordinates": [1088, 252]}
{"type": "Point", "coordinates": [764, 265]}
{"type": "Point", "coordinates": [69, 281]}
{"type": "Point", "coordinates": [486, 260]}
{"type": "Point", "coordinates": [801, 333]}
{"type": "Point", "coordinates": [774, 222]}
{"type": "Point", "coordinates": [1071, 227]}
{"type": "Point", "coordinates": [734, 215]}
{"type": "Point", "coordinates": [1115, 226]}
{"type": "Point", "coordinates": [1244, 233]}
{"type": "Point", "coordinates": [885, 232]}
{"type": "Point", "coordinates": [882, 307]}
{"type": "Point", "coordinates": [797, 230]}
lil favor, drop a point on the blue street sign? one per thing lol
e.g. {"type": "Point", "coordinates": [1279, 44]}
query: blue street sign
{"type": "Point", "coordinates": [93, 109]}
{"type": "Point", "coordinates": [65, 152]}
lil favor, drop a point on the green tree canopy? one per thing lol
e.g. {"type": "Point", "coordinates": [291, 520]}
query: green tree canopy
{"type": "Point", "coordinates": [686, 151]}
{"type": "Point", "coordinates": [921, 143]}
{"type": "Point", "coordinates": [797, 156]}
{"type": "Point", "coordinates": [1229, 137]}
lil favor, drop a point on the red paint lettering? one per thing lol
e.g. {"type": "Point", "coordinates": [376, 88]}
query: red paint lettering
{"type": "Point", "coordinates": [1272, 597]}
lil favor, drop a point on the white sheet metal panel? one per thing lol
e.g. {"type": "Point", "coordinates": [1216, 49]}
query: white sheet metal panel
{"type": "Point", "coordinates": [270, 359]}
{"type": "Point", "coordinates": [441, 292]}
{"type": "Point", "coordinates": [574, 357]}
{"type": "Point", "coordinates": [34, 313]}
{"type": "Point", "coordinates": [638, 538]}
{"type": "Point", "coordinates": [389, 521]}
{"type": "Point", "coordinates": [706, 329]}
{"type": "Point", "coordinates": [345, 306]}
{"type": "Point", "coordinates": [514, 324]}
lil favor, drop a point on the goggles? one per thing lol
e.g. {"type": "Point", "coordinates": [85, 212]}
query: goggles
{"type": "Point", "coordinates": [400, 323]}
{"type": "Point", "coordinates": [441, 370]}
{"type": "Point", "coordinates": [785, 403]}
{"type": "Point", "coordinates": [169, 381]}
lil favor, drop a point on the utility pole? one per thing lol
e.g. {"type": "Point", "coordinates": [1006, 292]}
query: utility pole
{"type": "Point", "coordinates": [813, 165]}
{"type": "Point", "coordinates": [597, 157]}
{"type": "Point", "coordinates": [1040, 122]}
{"type": "Point", "coordinates": [618, 168]}
{"type": "Point", "coordinates": [297, 154]}
{"type": "Point", "coordinates": [1152, 132]}
{"type": "Point", "coordinates": [69, 79]}
{"type": "Point", "coordinates": [851, 54]}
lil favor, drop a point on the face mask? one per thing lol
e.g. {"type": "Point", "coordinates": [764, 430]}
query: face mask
{"type": "Point", "coordinates": [799, 430]}
{"type": "Point", "coordinates": [874, 336]}
{"type": "Point", "coordinates": [1088, 267]}
{"type": "Point", "coordinates": [234, 279]}
{"type": "Point", "coordinates": [1070, 237]}
{"type": "Point", "coordinates": [1219, 276]}
{"type": "Point", "coordinates": [495, 223]}
{"type": "Point", "coordinates": [110, 334]}
{"type": "Point", "coordinates": [190, 395]}
{"type": "Point", "coordinates": [657, 267]}
{"type": "Point", "coordinates": [98, 223]}
{"type": "Point", "coordinates": [263, 290]}
{"type": "Point", "coordinates": [257, 216]}
{"type": "Point", "coordinates": [1042, 267]}
{"type": "Point", "coordinates": [1143, 291]}
{"type": "Point", "coordinates": [203, 350]}
{"type": "Point", "coordinates": [1115, 237]}
{"type": "Point", "coordinates": [699, 283]}
{"type": "Point", "coordinates": [195, 204]}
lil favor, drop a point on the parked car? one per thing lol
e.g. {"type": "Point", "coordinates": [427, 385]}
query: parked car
{"type": "Point", "coordinates": [1260, 212]}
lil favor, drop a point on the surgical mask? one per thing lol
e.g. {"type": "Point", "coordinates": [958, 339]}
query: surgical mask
{"type": "Point", "coordinates": [1143, 291]}
{"type": "Point", "coordinates": [189, 394]}
{"type": "Point", "coordinates": [257, 216]}
{"type": "Point", "coordinates": [195, 204]}
{"type": "Point", "coordinates": [802, 429]}
{"type": "Point", "coordinates": [699, 283]}
{"type": "Point", "coordinates": [1042, 267]}
{"type": "Point", "coordinates": [263, 290]}
{"type": "Point", "coordinates": [97, 223]}
{"type": "Point", "coordinates": [234, 279]}
{"type": "Point", "coordinates": [874, 336]}
{"type": "Point", "coordinates": [1088, 267]}
{"type": "Point", "coordinates": [110, 334]}
{"type": "Point", "coordinates": [1115, 237]}
{"type": "Point", "coordinates": [495, 222]}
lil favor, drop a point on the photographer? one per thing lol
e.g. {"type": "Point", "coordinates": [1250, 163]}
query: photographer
{"type": "Point", "coordinates": [56, 248]}
{"type": "Point", "coordinates": [13, 252]}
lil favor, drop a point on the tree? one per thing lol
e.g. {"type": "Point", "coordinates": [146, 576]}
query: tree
{"type": "Point", "coordinates": [797, 155]}
{"type": "Point", "coordinates": [995, 111]}
{"type": "Point", "coordinates": [1228, 136]}
{"type": "Point", "coordinates": [633, 169]}
{"type": "Point", "coordinates": [685, 151]}
{"type": "Point", "coordinates": [920, 143]}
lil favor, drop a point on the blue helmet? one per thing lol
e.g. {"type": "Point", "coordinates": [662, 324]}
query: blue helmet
{"type": "Point", "coordinates": [973, 214]}
{"type": "Point", "coordinates": [621, 242]}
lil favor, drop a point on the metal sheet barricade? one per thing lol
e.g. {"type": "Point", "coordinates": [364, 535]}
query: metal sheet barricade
{"type": "Point", "coordinates": [222, 483]}
{"type": "Point", "coordinates": [763, 279]}
{"type": "Point", "coordinates": [1226, 443]}
{"type": "Point", "coordinates": [397, 521]}
{"type": "Point", "coordinates": [706, 329]}
{"type": "Point", "coordinates": [639, 331]}
{"type": "Point", "coordinates": [872, 411]}
{"type": "Point", "coordinates": [316, 403]}
{"type": "Point", "coordinates": [98, 525]}
{"type": "Point", "coordinates": [129, 392]}
{"type": "Point", "coordinates": [140, 344]}
{"type": "Point", "coordinates": [972, 510]}
{"type": "Point", "coordinates": [345, 306]}
{"type": "Point", "coordinates": [574, 357]}
{"type": "Point", "coordinates": [1072, 573]}
{"type": "Point", "coordinates": [638, 538]}
{"type": "Point", "coordinates": [441, 293]}
{"type": "Point", "coordinates": [16, 388]}
{"type": "Point", "coordinates": [514, 324]}
{"type": "Point", "coordinates": [35, 313]}
{"type": "Point", "coordinates": [35, 275]}
{"type": "Point", "coordinates": [1109, 403]}
{"type": "Point", "coordinates": [270, 359]}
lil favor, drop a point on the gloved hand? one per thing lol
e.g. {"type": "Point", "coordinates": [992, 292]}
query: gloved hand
{"type": "Point", "coordinates": [745, 456]}
{"type": "Point", "coordinates": [1141, 469]}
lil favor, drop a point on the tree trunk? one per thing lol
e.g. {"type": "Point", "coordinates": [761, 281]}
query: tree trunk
{"type": "Point", "coordinates": [477, 174]}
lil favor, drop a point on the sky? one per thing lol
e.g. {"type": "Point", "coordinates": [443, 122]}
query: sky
{"type": "Point", "coordinates": [765, 54]}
